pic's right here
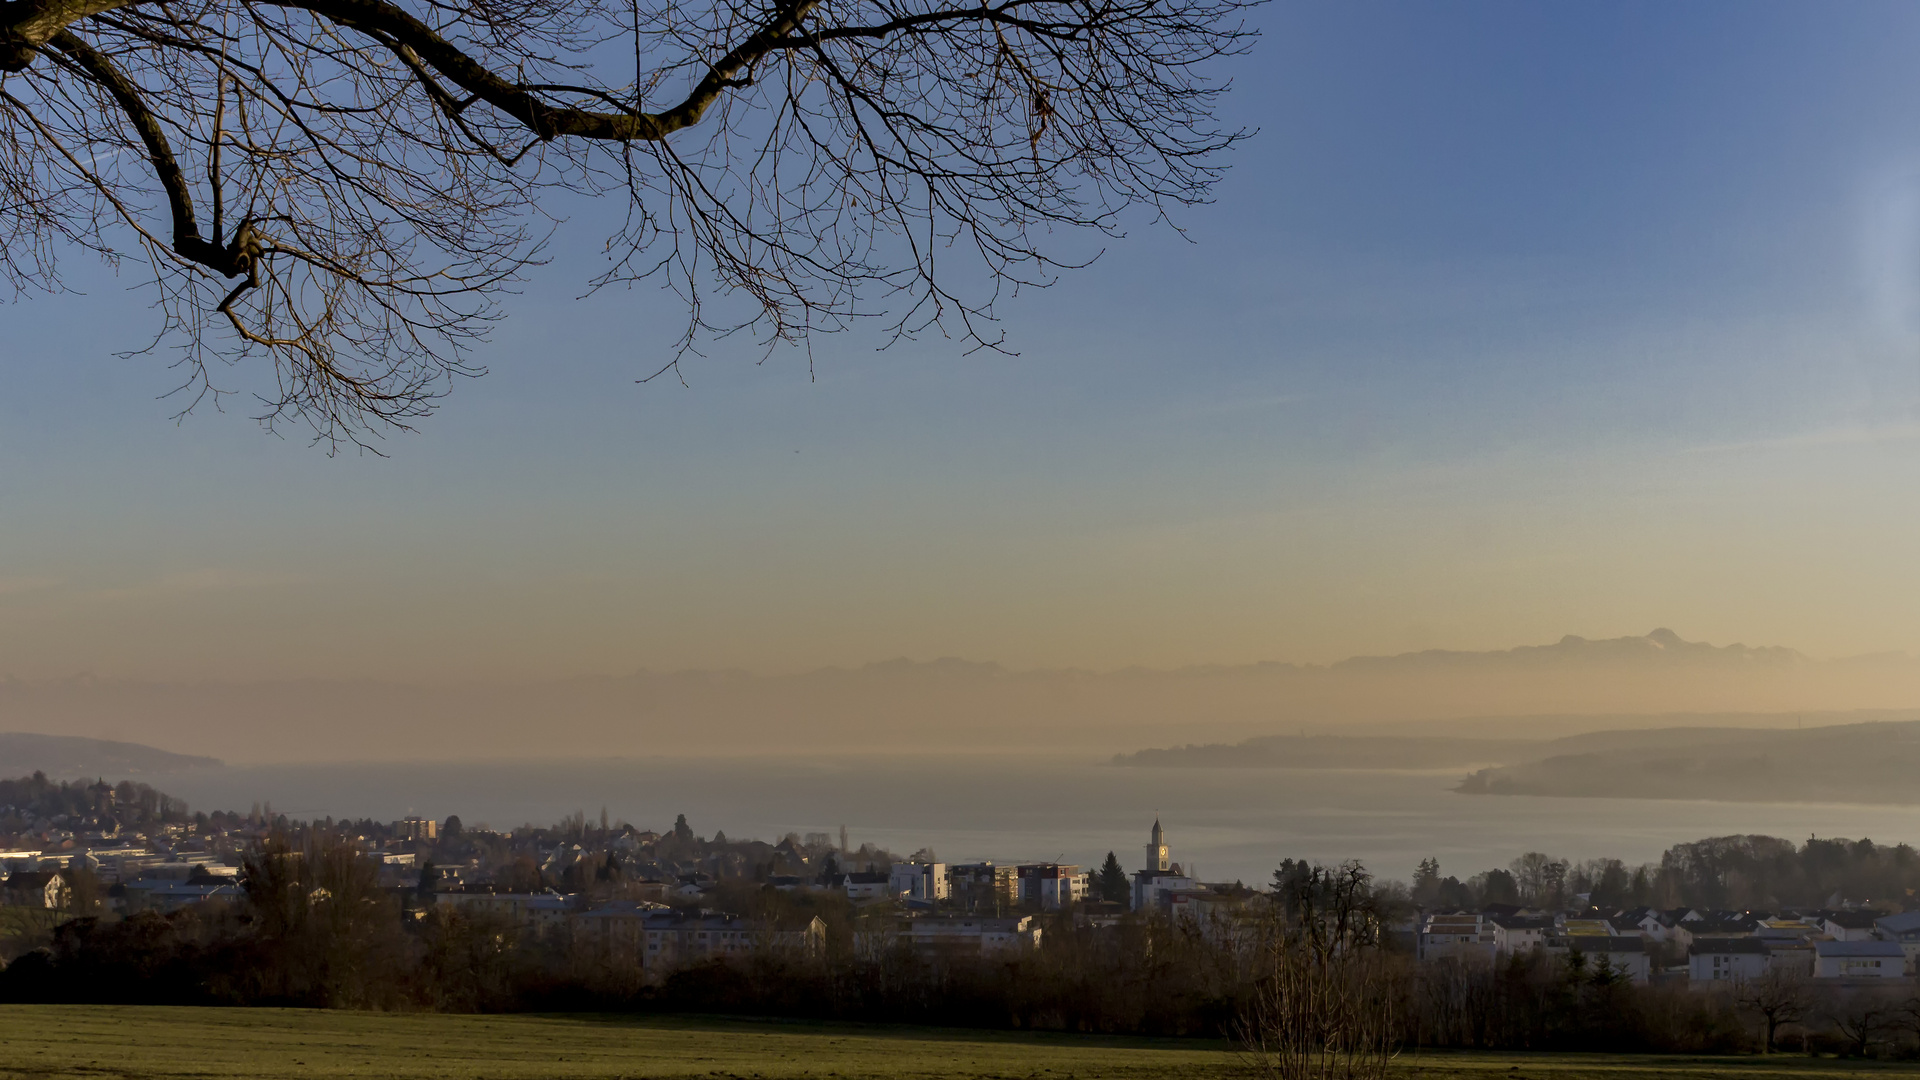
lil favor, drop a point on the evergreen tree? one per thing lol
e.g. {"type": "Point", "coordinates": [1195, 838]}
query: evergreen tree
{"type": "Point", "coordinates": [681, 830]}
{"type": "Point", "coordinates": [1426, 881]}
{"type": "Point", "coordinates": [1113, 881]}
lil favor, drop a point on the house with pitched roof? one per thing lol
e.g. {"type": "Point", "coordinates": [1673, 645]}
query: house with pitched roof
{"type": "Point", "coordinates": [1467, 936]}
{"type": "Point", "coordinates": [1520, 933]}
{"type": "Point", "coordinates": [35, 889]}
{"type": "Point", "coordinates": [968, 935]}
{"type": "Point", "coordinates": [1850, 925]}
{"type": "Point", "coordinates": [1859, 960]}
{"type": "Point", "coordinates": [1727, 959]}
{"type": "Point", "coordinates": [1905, 929]}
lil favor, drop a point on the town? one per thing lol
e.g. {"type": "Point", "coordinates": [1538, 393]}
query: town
{"type": "Point", "coordinates": [668, 900]}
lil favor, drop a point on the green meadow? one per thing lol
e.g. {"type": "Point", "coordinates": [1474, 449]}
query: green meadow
{"type": "Point", "coordinates": [95, 1042]}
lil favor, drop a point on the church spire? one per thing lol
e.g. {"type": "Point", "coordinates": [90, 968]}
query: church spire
{"type": "Point", "coordinates": [1157, 849]}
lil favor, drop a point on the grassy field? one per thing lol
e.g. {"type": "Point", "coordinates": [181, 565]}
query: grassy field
{"type": "Point", "coordinates": [94, 1042]}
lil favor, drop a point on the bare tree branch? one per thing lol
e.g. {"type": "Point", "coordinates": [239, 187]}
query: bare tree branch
{"type": "Point", "coordinates": [377, 170]}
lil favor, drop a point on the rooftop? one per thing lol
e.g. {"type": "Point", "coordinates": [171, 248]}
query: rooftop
{"type": "Point", "coordinates": [1906, 922]}
{"type": "Point", "coordinates": [1712, 946]}
{"type": "Point", "coordinates": [1608, 944]}
{"type": "Point", "coordinates": [1853, 920]}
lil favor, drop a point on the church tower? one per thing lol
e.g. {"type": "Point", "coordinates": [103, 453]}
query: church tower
{"type": "Point", "coordinates": [1157, 850]}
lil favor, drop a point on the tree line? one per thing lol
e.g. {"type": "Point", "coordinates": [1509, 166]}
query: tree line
{"type": "Point", "coordinates": [126, 803]}
{"type": "Point", "coordinates": [1747, 872]}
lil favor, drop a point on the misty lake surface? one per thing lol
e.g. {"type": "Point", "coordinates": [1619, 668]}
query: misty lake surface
{"type": "Point", "coordinates": [1224, 823]}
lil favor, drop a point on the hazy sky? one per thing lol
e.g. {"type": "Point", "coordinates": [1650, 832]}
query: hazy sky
{"type": "Point", "coordinates": [1516, 320]}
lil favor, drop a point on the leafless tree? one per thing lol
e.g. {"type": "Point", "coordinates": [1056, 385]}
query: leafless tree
{"type": "Point", "coordinates": [1542, 879]}
{"type": "Point", "coordinates": [1779, 997]}
{"type": "Point", "coordinates": [1862, 1018]}
{"type": "Point", "coordinates": [1910, 1013]}
{"type": "Point", "coordinates": [345, 186]}
{"type": "Point", "coordinates": [331, 934]}
{"type": "Point", "coordinates": [1324, 1005]}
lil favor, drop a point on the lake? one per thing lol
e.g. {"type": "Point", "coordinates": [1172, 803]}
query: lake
{"type": "Point", "coordinates": [1224, 823]}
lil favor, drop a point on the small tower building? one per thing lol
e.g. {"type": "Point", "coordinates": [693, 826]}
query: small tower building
{"type": "Point", "coordinates": [1161, 877]}
{"type": "Point", "coordinates": [1157, 849]}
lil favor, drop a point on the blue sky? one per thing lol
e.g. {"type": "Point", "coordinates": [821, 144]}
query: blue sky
{"type": "Point", "coordinates": [1515, 320]}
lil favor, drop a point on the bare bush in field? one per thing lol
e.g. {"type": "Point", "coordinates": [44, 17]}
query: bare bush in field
{"type": "Point", "coordinates": [1324, 1004]}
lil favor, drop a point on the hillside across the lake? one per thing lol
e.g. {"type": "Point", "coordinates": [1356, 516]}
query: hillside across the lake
{"type": "Point", "coordinates": [1343, 752]}
{"type": "Point", "coordinates": [1875, 762]}
{"type": "Point", "coordinates": [69, 756]}
{"type": "Point", "coordinates": [1853, 763]}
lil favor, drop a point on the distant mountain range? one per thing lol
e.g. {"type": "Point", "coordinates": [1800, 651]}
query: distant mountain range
{"type": "Point", "coordinates": [1660, 648]}
{"type": "Point", "coordinates": [902, 706]}
{"type": "Point", "coordinates": [70, 757]}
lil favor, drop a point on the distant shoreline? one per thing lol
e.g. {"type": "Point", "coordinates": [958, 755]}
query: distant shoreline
{"type": "Point", "coordinates": [1858, 764]}
{"type": "Point", "coordinates": [71, 757]}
